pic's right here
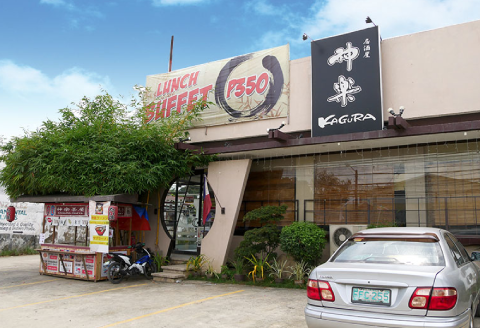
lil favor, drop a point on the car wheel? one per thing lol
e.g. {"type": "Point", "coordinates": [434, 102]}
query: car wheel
{"type": "Point", "coordinates": [471, 324]}
{"type": "Point", "coordinates": [477, 312]}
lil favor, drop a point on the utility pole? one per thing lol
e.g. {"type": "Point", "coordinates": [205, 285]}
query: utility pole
{"type": "Point", "coordinates": [171, 53]}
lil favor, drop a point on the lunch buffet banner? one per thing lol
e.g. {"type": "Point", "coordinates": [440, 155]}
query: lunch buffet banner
{"type": "Point", "coordinates": [244, 88]}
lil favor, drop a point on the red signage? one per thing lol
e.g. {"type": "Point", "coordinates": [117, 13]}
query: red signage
{"type": "Point", "coordinates": [124, 211]}
{"type": "Point", "coordinates": [112, 213]}
{"type": "Point", "coordinates": [66, 209]}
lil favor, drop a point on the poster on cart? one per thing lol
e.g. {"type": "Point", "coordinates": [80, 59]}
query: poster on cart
{"type": "Point", "coordinates": [99, 233]}
{"type": "Point", "coordinates": [99, 226]}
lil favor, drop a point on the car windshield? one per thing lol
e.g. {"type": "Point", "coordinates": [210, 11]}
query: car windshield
{"type": "Point", "coordinates": [388, 251]}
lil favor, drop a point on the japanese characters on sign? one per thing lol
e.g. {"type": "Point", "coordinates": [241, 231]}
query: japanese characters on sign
{"type": "Point", "coordinates": [125, 211]}
{"type": "Point", "coordinates": [244, 88]}
{"type": "Point", "coordinates": [99, 232]}
{"type": "Point", "coordinates": [346, 83]}
{"type": "Point", "coordinates": [66, 210]}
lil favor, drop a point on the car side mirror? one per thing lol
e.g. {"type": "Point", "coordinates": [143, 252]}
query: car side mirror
{"type": "Point", "coordinates": [475, 256]}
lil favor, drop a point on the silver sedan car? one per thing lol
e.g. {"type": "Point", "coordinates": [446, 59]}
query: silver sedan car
{"type": "Point", "coordinates": [395, 277]}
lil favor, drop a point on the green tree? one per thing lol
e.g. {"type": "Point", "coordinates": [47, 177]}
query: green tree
{"type": "Point", "coordinates": [304, 241]}
{"type": "Point", "coordinates": [264, 239]}
{"type": "Point", "coordinates": [100, 147]}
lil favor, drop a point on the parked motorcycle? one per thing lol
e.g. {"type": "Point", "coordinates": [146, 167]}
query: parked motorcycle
{"type": "Point", "coordinates": [121, 265]}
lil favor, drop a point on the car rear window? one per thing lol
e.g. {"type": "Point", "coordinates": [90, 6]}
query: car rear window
{"type": "Point", "coordinates": [390, 251]}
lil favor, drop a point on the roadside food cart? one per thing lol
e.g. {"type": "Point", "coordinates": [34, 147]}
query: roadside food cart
{"type": "Point", "coordinates": [78, 233]}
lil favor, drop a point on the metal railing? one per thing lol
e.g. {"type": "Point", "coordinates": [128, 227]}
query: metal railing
{"type": "Point", "coordinates": [249, 205]}
{"type": "Point", "coordinates": [445, 212]}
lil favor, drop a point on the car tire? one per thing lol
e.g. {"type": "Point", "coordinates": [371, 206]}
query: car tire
{"type": "Point", "coordinates": [472, 321]}
{"type": "Point", "coordinates": [477, 312]}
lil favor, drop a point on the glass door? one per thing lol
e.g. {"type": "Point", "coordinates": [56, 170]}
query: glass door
{"type": "Point", "coordinates": [182, 213]}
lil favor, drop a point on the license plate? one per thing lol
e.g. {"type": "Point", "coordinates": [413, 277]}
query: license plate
{"type": "Point", "coordinates": [371, 296]}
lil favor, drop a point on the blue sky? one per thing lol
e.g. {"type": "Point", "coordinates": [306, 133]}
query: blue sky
{"type": "Point", "coordinates": [52, 52]}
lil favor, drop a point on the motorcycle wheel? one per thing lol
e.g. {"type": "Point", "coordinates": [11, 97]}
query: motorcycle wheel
{"type": "Point", "coordinates": [149, 269]}
{"type": "Point", "coordinates": [113, 273]}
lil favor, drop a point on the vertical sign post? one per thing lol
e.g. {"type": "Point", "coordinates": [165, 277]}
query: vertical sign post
{"type": "Point", "coordinates": [346, 83]}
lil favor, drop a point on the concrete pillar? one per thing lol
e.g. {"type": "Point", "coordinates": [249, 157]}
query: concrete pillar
{"type": "Point", "coordinates": [228, 180]}
{"type": "Point", "coordinates": [155, 221]}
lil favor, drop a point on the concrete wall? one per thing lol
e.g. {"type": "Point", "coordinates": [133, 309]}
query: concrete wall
{"type": "Point", "coordinates": [429, 73]}
{"type": "Point", "coordinates": [161, 243]}
{"type": "Point", "coordinates": [24, 231]}
{"type": "Point", "coordinates": [228, 179]}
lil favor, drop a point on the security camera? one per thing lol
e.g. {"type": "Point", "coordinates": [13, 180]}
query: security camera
{"type": "Point", "coordinates": [391, 111]}
{"type": "Point", "coordinates": [305, 36]}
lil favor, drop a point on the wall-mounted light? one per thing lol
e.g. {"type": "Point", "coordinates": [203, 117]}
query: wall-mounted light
{"type": "Point", "coordinates": [305, 37]}
{"type": "Point", "coordinates": [368, 20]}
{"type": "Point", "coordinates": [281, 126]}
{"type": "Point", "coordinates": [396, 121]}
{"type": "Point", "coordinates": [392, 112]}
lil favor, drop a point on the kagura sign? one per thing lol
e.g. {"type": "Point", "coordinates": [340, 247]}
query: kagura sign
{"type": "Point", "coordinates": [346, 84]}
{"type": "Point", "coordinates": [248, 87]}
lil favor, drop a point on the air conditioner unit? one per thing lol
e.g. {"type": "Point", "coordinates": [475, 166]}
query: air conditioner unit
{"type": "Point", "coordinates": [340, 233]}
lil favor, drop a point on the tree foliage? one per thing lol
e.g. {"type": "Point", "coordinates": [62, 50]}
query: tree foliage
{"type": "Point", "coordinates": [101, 147]}
{"type": "Point", "coordinates": [304, 241]}
{"type": "Point", "coordinates": [266, 214]}
{"type": "Point", "coordinates": [264, 239]}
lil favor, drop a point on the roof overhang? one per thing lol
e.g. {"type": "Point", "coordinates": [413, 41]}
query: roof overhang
{"type": "Point", "coordinates": [118, 198]}
{"type": "Point", "coordinates": [274, 146]}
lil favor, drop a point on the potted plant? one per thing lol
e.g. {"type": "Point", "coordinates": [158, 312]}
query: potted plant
{"type": "Point", "coordinates": [238, 265]}
{"type": "Point", "coordinates": [277, 268]}
{"type": "Point", "coordinates": [196, 263]}
{"type": "Point", "coordinates": [259, 266]}
{"type": "Point", "coordinates": [224, 272]}
{"type": "Point", "coordinates": [299, 270]}
{"type": "Point", "coordinates": [210, 272]}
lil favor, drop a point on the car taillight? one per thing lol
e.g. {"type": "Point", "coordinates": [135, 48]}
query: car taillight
{"type": "Point", "coordinates": [320, 290]}
{"type": "Point", "coordinates": [439, 299]}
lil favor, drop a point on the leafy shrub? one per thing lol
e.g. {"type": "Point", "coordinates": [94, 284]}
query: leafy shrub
{"type": "Point", "coordinates": [304, 241]}
{"type": "Point", "coordinates": [381, 225]}
{"type": "Point", "coordinates": [264, 239]}
{"type": "Point", "coordinates": [299, 270]}
{"type": "Point", "coordinates": [196, 263]}
{"type": "Point", "coordinates": [160, 261]}
{"type": "Point", "coordinates": [17, 252]}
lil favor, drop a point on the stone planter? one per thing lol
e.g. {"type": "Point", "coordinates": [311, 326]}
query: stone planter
{"type": "Point", "coordinates": [209, 275]}
{"type": "Point", "coordinates": [299, 282]}
{"type": "Point", "coordinates": [279, 280]}
{"type": "Point", "coordinates": [259, 280]}
{"type": "Point", "coordinates": [224, 276]}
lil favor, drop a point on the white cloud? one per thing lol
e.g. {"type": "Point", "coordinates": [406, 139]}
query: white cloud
{"type": "Point", "coordinates": [176, 2]}
{"type": "Point", "coordinates": [58, 3]}
{"type": "Point", "coordinates": [53, 2]}
{"type": "Point", "coordinates": [262, 7]}
{"type": "Point", "coordinates": [28, 96]}
{"type": "Point", "coordinates": [332, 17]}
{"type": "Point", "coordinates": [394, 17]}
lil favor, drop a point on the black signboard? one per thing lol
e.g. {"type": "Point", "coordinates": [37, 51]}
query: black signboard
{"type": "Point", "coordinates": [346, 84]}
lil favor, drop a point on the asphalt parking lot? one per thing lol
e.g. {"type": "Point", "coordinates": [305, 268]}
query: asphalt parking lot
{"type": "Point", "coordinates": [28, 299]}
